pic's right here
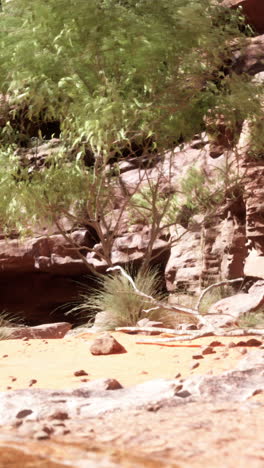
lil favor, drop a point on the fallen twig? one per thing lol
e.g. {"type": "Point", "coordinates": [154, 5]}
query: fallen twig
{"type": "Point", "coordinates": [215, 285]}
{"type": "Point", "coordinates": [170, 331]}
{"type": "Point", "coordinates": [204, 333]}
{"type": "Point", "coordinates": [178, 308]}
{"type": "Point", "coordinates": [185, 335]}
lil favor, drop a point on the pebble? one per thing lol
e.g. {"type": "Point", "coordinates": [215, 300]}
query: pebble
{"type": "Point", "coordinates": [231, 345]}
{"type": "Point", "coordinates": [207, 350]}
{"type": "Point", "coordinates": [80, 373]}
{"type": "Point", "coordinates": [194, 365]}
{"type": "Point", "coordinates": [32, 382]}
{"type": "Point", "coordinates": [41, 435]}
{"type": "Point", "coordinates": [197, 356]}
{"type": "Point", "coordinates": [215, 343]}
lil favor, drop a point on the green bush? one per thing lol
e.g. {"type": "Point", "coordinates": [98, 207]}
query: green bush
{"type": "Point", "coordinates": [252, 320]}
{"type": "Point", "coordinates": [114, 71]}
{"type": "Point", "coordinates": [120, 304]}
{"type": "Point", "coordinates": [214, 295]}
{"type": "Point", "coordinates": [7, 321]}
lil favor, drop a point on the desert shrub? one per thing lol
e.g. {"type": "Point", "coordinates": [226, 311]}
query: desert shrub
{"type": "Point", "coordinates": [8, 320]}
{"type": "Point", "coordinates": [214, 295]}
{"type": "Point", "coordinates": [121, 306]}
{"type": "Point", "coordinates": [101, 69]}
{"type": "Point", "coordinates": [4, 333]}
{"type": "Point", "coordinates": [253, 319]}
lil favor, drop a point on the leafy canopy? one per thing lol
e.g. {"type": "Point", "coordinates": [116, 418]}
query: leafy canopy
{"type": "Point", "coordinates": [116, 70]}
{"type": "Point", "coordinates": [111, 72]}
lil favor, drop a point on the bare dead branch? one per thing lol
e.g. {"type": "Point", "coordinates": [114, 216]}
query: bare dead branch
{"type": "Point", "coordinates": [170, 331]}
{"type": "Point", "coordinates": [82, 257]}
{"type": "Point", "coordinates": [205, 332]}
{"type": "Point", "coordinates": [178, 309]}
{"type": "Point", "coordinates": [215, 285]}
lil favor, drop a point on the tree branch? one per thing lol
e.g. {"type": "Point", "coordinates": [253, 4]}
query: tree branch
{"type": "Point", "coordinates": [215, 285]}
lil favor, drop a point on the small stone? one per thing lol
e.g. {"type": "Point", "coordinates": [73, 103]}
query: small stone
{"type": "Point", "coordinates": [32, 382]}
{"type": "Point", "coordinates": [194, 365]}
{"type": "Point", "coordinates": [84, 380]}
{"type": "Point", "coordinates": [5, 355]}
{"type": "Point", "coordinates": [14, 379]}
{"type": "Point", "coordinates": [191, 327]}
{"type": "Point", "coordinates": [144, 372]}
{"type": "Point", "coordinates": [44, 331]}
{"type": "Point", "coordinates": [9, 388]}
{"type": "Point", "coordinates": [61, 415]}
{"type": "Point", "coordinates": [243, 351]}
{"type": "Point", "coordinates": [80, 373]}
{"type": "Point", "coordinates": [215, 343]}
{"type": "Point", "coordinates": [241, 343]}
{"type": "Point", "coordinates": [231, 345]}
{"type": "Point", "coordinates": [258, 391]}
{"type": "Point", "coordinates": [207, 350]}
{"type": "Point", "coordinates": [183, 394]}
{"type": "Point", "coordinates": [177, 376]}
{"type": "Point", "coordinates": [48, 429]}
{"type": "Point", "coordinates": [106, 344]}
{"type": "Point", "coordinates": [25, 338]}
{"type": "Point", "coordinates": [197, 356]}
{"type": "Point", "coordinates": [18, 423]}
{"type": "Point", "coordinates": [99, 385]}
{"type": "Point", "coordinates": [178, 388]}
{"type": "Point", "coordinates": [154, 407]}
{"type": "Point", "coordinates": [111, 384]}
{"type": "Point", "coordinates": [23, 413]}
{"type": "Point", "coordinates": [253, 342]}
{"type": "Point", "coordinates": [41, 435]}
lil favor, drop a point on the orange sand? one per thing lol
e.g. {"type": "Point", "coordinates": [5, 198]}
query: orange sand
{"type": "Point", "coordinates": [52, 363]}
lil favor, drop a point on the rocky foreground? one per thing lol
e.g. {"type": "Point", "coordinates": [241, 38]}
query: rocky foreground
{"type": "Point", "coordinates": [191, 404]}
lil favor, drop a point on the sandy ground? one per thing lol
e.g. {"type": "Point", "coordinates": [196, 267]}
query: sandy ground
{"type": "Point", "coordinates": [198, 435]}
{"type": "Point", "coordinates": [52, 363]}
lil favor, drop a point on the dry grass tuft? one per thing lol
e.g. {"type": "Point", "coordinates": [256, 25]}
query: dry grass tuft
{"type": "Point", "coordinates": [120, 304]}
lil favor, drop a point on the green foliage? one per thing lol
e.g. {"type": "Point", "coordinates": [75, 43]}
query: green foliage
{"type": "Point", "coordinates": [26, 197]}
{"type": "Point", "coordinates": [7, 320]}
{"type": "Point", "coordinates": [144, 208]}
{"type": "Point", "coordinates": [112, 73]}
{"type": "Point", "coordinates": [197, 193]}
{"type": "Point", "coordinates": [120, 304]}
{"type": "Point", "coordinates": [252, 320]}
{"type": "Point", "coordinates": [4, 333]}
{"type": "Point", "coordinates": [200, 193]}
{"type": "Point", "coordinates": [214, 295]}
{"type": "Point", "coordinates": [102, 70]}
{"type": "Point", "coordinates": [62, 187]}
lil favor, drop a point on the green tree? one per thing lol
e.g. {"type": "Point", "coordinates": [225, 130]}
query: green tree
{"type": "Point", "coordinates": [119, 76]}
